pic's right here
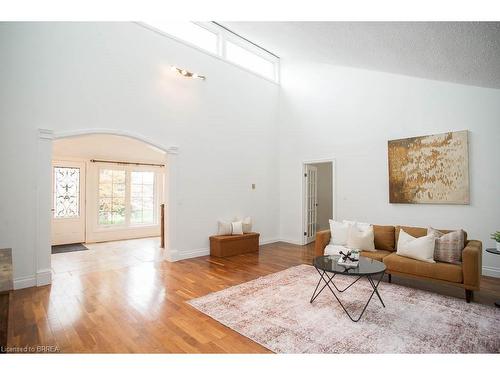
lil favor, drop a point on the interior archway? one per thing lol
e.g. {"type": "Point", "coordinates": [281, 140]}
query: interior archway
{"type": "Point", "coordinates": [81, 144]}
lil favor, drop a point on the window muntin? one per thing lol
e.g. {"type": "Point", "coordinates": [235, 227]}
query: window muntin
{"type": "Point", "coordinates": [221, 42]}
{"type": "Point", "coordinates": [112, 189]}
{"type": "Point", "coordinates": [142, 195]}
{"type": "Point", "coordinates": [66, 192]}
{"type": "Point", "coordinates": [190, 32]}
{"type": "Point", "coordinates": [249, 60]}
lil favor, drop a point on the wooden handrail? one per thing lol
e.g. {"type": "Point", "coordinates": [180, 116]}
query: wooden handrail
{"type": "Point", "coordinates": [162, 225]}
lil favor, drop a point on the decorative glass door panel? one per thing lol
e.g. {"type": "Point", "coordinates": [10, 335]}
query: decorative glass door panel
{"type": "Point", "coordinates": [68, 202]}
{"type": "Point", "coordinates": [66, 192]}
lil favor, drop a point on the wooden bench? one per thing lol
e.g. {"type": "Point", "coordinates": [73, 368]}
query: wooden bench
{"type": "Point", "coordinates": [226, 246]}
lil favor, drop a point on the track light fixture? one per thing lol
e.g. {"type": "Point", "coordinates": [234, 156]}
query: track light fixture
{"type": "Point", "coordinates": [185, 73]}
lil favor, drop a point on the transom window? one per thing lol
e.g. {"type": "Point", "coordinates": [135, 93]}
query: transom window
{"type": "Point", "coordinates": [188, 31]}
{"type": "Point", "coordinates": [218, 40]}
{"type": "Point", "coordinates": [247, 59]}
{"type": "Point", "coordinates": [66, 192]}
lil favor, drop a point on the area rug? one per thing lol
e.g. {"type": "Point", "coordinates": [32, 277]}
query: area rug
{"type": "Point", "coordinates": [275, 312]}
{"type": "Point", "coordinates": [57, 249]}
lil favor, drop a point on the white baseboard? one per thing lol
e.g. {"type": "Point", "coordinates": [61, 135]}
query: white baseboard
{"type": "Point", "coordinates": [176, 255]}
{"type": "Point", "coordinates": [491, 271]}
{"type": "Point", "coordinates": [24, 282]}
{"type": "Point", "coordinates": [288, 240]}
{"type": "Point", "coordinates": [44, 277]}
{"type": "Point", "coordinates": [265, 242]}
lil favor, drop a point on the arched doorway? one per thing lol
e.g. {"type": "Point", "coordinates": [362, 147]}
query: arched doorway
{"type": "Point", "coordinates": [45, 182]}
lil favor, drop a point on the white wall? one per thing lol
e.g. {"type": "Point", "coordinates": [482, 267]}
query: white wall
{"type": "Point", "coordinates": [350, 114]}
{"type": "Point", "coordinates": [324, 194]}
{"type": "Point", "coordinates": [71, 76]}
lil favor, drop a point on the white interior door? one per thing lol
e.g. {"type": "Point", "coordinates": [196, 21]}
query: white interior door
{"type": "Point", "coordinates": [68, 202]}
{"type": "Point", "coordinates": [311, 203]}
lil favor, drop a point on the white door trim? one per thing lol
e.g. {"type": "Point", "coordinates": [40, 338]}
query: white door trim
{"type": "Point", "coordinates": [42, 245]}
{"type": "Point", "coordinates": [311, 202]}
{"type": "Point", "coordinates": [303, 193]}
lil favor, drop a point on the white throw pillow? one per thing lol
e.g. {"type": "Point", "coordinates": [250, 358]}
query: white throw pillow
{"type": "Point", "coordinates": [421, 248]}
{"type": "Point", "coordinates": [362, 226]}
{"type": "Point", "coordinates": [361, 239]}
{"type": "Point", "coordinates": [247, 224]}
{"type": "Point", "coordinates": [224, 228]}
{"type": "Point", "coordinates": [237, 227]}
{"type": "Point", "coordinates": [339, 232]}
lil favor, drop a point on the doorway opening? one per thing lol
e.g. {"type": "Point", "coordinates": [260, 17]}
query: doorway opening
{"type": "Point", "coordinates": [318, 197]}
{"type": "Point", "coordinates": [107, 190]}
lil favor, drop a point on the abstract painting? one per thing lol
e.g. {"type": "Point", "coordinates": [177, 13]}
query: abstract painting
{"type": "Point", "coordinates": [429, 169]}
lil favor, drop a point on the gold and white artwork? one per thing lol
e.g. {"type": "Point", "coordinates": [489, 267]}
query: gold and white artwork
{"type": "Point", "coordinates": [429, 169]}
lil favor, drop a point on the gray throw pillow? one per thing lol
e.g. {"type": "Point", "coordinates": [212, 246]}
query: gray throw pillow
{"type": "Point", "coordinates": [449, 246]}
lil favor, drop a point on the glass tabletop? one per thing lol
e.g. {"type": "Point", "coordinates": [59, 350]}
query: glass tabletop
{"type": "Point", "coordinates": [366, 266]}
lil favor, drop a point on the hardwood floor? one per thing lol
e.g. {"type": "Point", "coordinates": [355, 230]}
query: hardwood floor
{"type": "Point", "coordinates": [123, 297]}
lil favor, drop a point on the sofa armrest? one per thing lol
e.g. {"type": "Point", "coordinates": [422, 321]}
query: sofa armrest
{"type": "Point", "coordinates": [322, 239]}
{"type": "Point", "coordinates": [471, 263]}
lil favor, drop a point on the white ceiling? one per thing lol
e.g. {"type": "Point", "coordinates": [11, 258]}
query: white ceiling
{"type": "Point", "coordinates": [107, 147]}
{"type": "Point", "coordinates": [460, 52]}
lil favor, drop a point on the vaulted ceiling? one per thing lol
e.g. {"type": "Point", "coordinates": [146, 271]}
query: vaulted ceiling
{"type": "Point", "coordinates": [461, 52]}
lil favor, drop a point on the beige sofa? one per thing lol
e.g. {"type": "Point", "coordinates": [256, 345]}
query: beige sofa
{"type": "Point", "coordinates": [466, 275]}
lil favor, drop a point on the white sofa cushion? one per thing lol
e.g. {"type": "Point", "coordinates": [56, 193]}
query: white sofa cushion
{"type": "Point", "coordinates": [339, 232]}
{"type": "Point", "coordinates": [421, 248]}
{"type": "Point", "coordinates": [361, 239]}
{"type": "Point", "coordinates": [360, 225]}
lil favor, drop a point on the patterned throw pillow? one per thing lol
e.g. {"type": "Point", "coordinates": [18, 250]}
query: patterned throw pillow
{"type": "Point", "coordinates": [448, 246]}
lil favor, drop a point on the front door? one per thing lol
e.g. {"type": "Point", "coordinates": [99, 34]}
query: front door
{"type": "Point", "coordinates": [68, 202]}
{"type": "Point", "coordinates": [311, 203]}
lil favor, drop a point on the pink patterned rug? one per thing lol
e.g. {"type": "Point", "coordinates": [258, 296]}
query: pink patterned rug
{"type": "Point", "coordinates": [275, 312]}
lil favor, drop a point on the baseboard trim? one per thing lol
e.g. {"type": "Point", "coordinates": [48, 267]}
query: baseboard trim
{"type": "Point", "coordinates": [288, 240]}
{"type": "Point", "coordinates": [491, 271]}
{"type": "Point", "coordinates": [181, 255]}
{"type": "Point", "coordinates": [44, 277]}
{"type": "Point", "coordinates": [176, 255]}
{"type": "Point", "coordinates": [265, 242]}
{"type": "Point", "coordinates": [24, 282]}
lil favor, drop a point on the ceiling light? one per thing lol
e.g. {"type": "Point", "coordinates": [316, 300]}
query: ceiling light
{"type": "Point", "coordinates": [186, 73]}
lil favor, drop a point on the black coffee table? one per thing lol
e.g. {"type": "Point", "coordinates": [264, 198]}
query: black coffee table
{"type": "Point", "coordinates": [496, 252]}
{"type": "Point", "coordinates": [367, 267]}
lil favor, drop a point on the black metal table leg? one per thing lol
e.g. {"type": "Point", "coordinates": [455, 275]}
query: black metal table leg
{"type": "Point", "coordinates": [375, 287]}
{"type": "Point", "coordinates": [330, 281]}
{"type": "Point", "coordinates": [314, 295]}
